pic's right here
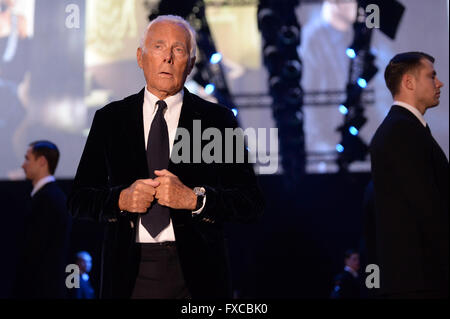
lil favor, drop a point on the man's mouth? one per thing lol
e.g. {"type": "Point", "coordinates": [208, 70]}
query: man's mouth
{"type": "Point", "coordinates": [165, 74]}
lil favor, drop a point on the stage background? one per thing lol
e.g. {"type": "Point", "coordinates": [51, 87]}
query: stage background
{"type": "Point", "coordinates": [53, 78]}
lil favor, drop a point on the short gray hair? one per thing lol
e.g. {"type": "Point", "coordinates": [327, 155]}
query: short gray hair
{"type": "Point", "coordinates": [177, 20]}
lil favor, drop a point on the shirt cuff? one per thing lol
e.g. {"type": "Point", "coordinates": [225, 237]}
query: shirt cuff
{"type": "Point", "coordinates": [198, 211]}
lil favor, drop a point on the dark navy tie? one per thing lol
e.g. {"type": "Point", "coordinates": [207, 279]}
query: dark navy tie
{"type": "Point", "coordinates": [157, 218]}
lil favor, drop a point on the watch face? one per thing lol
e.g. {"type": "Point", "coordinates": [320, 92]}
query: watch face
{"type": "Point", "coordinates": [199, 191]}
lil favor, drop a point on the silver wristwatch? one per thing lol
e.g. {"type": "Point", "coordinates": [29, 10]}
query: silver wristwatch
{"type": "Point", "coordinates": [200, 192]}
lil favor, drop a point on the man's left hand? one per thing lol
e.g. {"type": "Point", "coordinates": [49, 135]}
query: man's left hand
{"type": "Point", "coordinates": [172, 193]}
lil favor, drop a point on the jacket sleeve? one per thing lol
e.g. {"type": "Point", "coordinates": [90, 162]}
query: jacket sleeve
{"type": "Point", "coordinates": [237, 197]}
{"type": "Point", "coordinates": [92, 195]}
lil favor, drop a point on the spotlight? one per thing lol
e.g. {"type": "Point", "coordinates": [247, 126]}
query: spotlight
{"type": "Point", "coordinates": [266, 20]}
{"type": "Point", "coordinates": [276, 85]}
{"type": "Point", "coordinates": [293, 95]}
{"type": "Point", "coordinates": [343, 109]}
{"type": "Point", "coordinates": [292, 69]}
{"type": "Point", "coordinates": [362, 83]}
{"type": "Point", "coordinates": [235, 111]}
{"type": "Point", "coordinates": [290, 35]}
{"type": "Point", "coordinates": [215, 58]}
{"type": "Point", "coordinates": [209, 88]}
{"type": "Point", "coordinates": [272, 58]}
{"type": "Point", "coordinates": [351, 53]}
{"type": "Point", "coordinates": [353, 130]}
{"type": "Point", "coordinates": [339, 148]}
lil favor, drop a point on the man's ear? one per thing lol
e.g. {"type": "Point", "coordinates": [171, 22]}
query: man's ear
{"type": "Point", "coordinates": [139, 57]}
{"type": "Point", "coordinates": [409, 81]}
{"type": "Point", "coordinates": [42, 161]}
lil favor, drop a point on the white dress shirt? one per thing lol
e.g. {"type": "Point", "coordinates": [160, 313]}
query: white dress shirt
{"type": "Point", "coordinates": [171, 115]}
{"type": "Point", "coordinates": [44, 180]}
{"type": "Point", "coordinates": [413, 110]}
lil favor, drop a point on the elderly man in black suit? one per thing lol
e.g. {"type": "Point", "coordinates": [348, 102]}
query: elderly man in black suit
{"type": "Point", "coordinates": [41, 269]}
{"type": "Point", "coordinates": [410, 175]}
{"type": "Point", "coordinates": [165, 216]}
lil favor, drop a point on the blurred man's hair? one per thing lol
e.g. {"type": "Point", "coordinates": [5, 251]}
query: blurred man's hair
{"type": "Point", "coordinates": [49, 151]}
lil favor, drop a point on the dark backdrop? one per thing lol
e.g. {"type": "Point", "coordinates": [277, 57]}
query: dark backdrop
{"type": "Point", "coordinates": [293, 251]}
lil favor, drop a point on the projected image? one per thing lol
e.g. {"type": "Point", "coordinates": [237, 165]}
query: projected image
{"type": "Point", "coordinates": [16, 32]}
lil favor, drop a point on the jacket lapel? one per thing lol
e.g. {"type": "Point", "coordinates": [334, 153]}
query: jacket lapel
{"type": "Point", "coordinates": [187, 116]}
{"type": "Point", "coordinates": [136, 133]}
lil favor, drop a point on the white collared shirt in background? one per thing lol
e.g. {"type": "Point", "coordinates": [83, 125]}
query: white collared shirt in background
{"type": "Point", "coordinates": [44, 180]}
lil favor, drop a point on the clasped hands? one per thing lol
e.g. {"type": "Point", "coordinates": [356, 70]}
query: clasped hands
{"type": "Point", "coordinates": [166, 188]}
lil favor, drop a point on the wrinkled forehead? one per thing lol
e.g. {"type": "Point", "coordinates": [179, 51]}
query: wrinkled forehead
{"type": "Point", "coordinates": [162, 28]}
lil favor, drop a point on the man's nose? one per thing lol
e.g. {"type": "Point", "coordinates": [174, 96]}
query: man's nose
{"type": "Point", "coordinates": [439, 84]}
{"type": "Point", "coordinates": [168, 56]}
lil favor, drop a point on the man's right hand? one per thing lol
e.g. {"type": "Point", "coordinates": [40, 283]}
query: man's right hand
{"type": "Point", "coordinates": [139, 196]}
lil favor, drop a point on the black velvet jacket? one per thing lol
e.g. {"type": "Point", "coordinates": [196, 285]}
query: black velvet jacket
{"type": "Point", "coordinates": [114, 157]}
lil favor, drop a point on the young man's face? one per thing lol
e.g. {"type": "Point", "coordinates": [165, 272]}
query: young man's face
{"type": "Point", "coordinates": [353, 262]}
{"type": "Point", "coordinates": [428, 86]}
{"type": "Point", "coordinates": [31, 165]}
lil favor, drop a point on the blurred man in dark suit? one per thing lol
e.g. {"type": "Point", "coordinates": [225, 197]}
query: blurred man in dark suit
{"type": "Point", "coordinates": [85, 291]}
{"type": "Point", "coordinates": [347, 284]}
{"type": "Point", "coordinates": [41, 271]}
{"type": "Point", "coordinates": [410, 175]}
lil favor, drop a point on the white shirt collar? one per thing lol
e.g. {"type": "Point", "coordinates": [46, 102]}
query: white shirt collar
{"type": "Point", "coordinates": [45, 180]}
{"type": "Point", "coordinates": [413, 110]}
{"type": "Point", "coordinates": [170, 100]}
{"type": "Point", "coordinates": [351, 270]}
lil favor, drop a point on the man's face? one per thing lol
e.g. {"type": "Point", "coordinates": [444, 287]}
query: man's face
{"type": "Point", "coordinates": [31, 165]}
{"type": "Point", "coordinates": [85, 264]}
{"type": "Point", "coordinates": [427, 90]}
{"type": "Point", "coordinates": [353, 262]}
{"type": "Point", "coordinates": [165, 58]}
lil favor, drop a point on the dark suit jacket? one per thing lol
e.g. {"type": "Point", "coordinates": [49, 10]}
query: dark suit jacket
{"type": "Point", "coordinates": [346, 286]}
{"type": "Point", "coordinates": [114, 157]}
{"type": "Point", "coordinates": [410, 174]}
{"type": "Point", "coordinates": [41, 269]}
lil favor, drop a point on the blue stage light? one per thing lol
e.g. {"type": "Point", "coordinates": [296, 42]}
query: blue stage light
{"type": "Point", "coordinates": [209, 89]}
{"type": "Point", "coordinates": [362, 83]}
{"type": "Point", "coordinates": [351, 53]}
{"type": "Point", "coordinates": [235, 111]}
{"type": "Point", "coordinates": [215, 58]}
{"type": "Point", "coordinates": [343, 109]}
{"type": "Point", "coordinates": [353, 130]}
{"type": "Point", "coordinates": [339, 148]}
